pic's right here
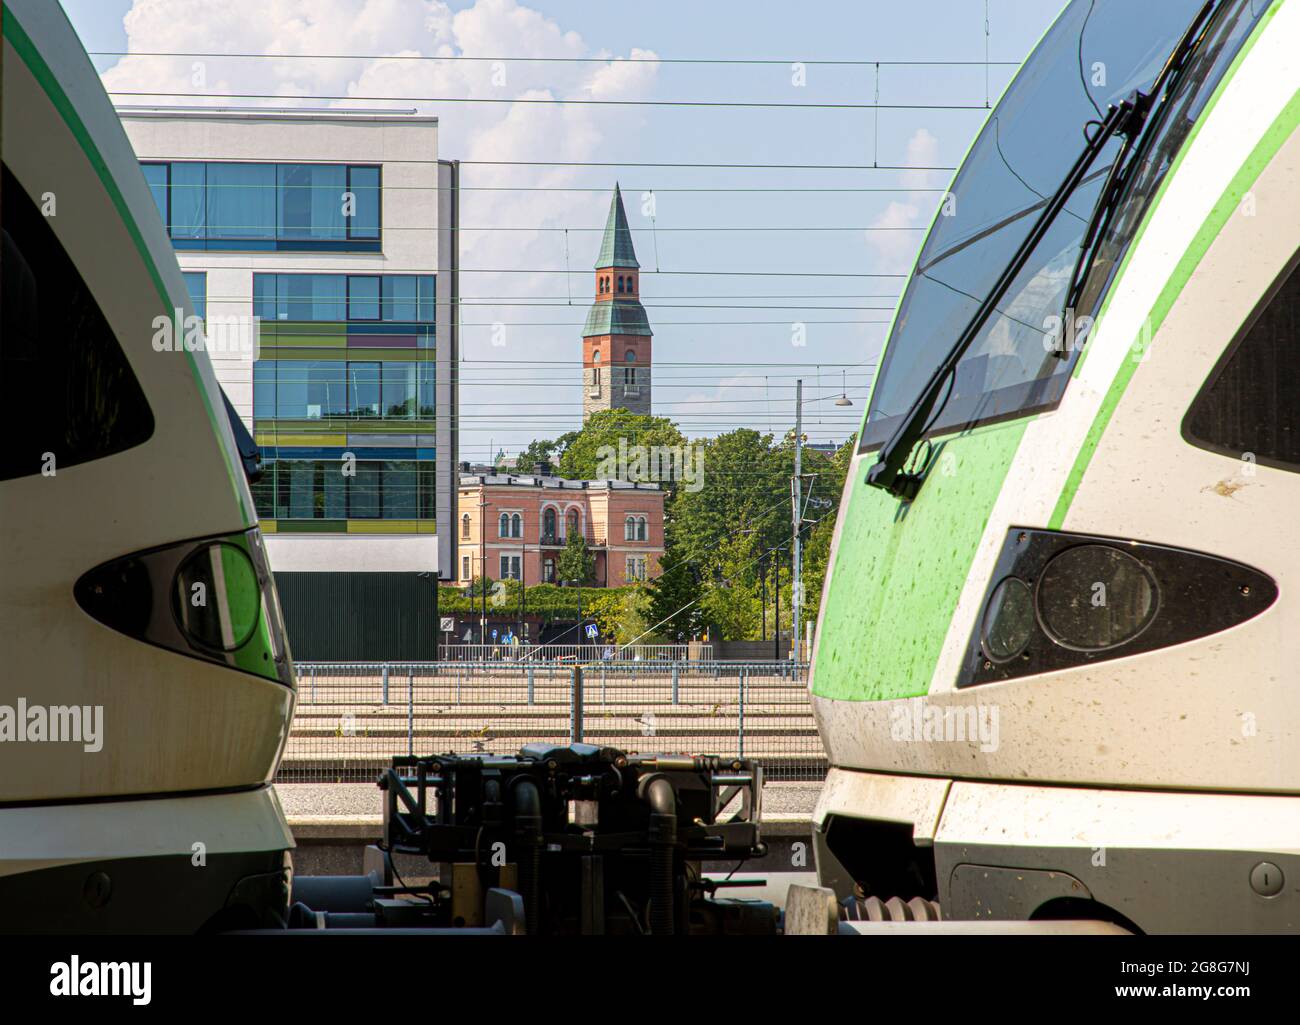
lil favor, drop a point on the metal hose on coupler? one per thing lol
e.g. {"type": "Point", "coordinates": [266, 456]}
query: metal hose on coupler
{"type": "Point", "coordinates": [658, 793]}
{"type": "Point", "coordinates": [527, 802]}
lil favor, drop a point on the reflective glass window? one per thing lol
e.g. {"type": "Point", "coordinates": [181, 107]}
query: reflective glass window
{"type": "Point", "coordinates": [363, 297]}
{"type": "Point", "coordinates": [241, 201]}
{"type": "Point", "coordinates": [311, 200]}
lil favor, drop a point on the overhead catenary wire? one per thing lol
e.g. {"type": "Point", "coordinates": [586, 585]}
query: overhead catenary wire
{"type": "Point", "coordinates": [647, 228]}
{"type": "Point", "coordinates": [666, 165]}
{"type": "Point", "coordinates": [560, 270]}
{"type": "Point", "coordinates": [552, 101]}
{"type": "Point", "coordinates": [827, 62]}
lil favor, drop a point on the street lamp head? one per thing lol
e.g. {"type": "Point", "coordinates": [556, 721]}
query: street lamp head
{"type": "Point", "coordinates": [844, 399]}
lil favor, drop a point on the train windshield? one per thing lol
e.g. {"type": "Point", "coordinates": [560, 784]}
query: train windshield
{"type": "Point", "coordinates": [1096, 54]}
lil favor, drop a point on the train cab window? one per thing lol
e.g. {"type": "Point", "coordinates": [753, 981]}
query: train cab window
{"type": "Point", "coordinates": [1011, 368]}
{"type": "Point", "coordinates": [65, 384]}
{"type": "Point", "coordinates": [1250, 406]}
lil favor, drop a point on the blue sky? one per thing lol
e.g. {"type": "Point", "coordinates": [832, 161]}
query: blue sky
{"type": "Point", "coordinates": [529, 387]}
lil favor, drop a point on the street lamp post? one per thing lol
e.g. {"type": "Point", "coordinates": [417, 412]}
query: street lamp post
{"type": "Point", "coordinates": [776, 613]}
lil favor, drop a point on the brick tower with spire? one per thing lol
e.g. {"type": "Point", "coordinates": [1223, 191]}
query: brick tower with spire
{"type": "Point", "coordinates": [616, 339]}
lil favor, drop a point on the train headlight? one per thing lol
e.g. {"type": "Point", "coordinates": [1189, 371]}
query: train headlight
{"type": "Point", "coordinates": [210, 598]}
{"type": "Point", "coordinates": [217, 599]}
{"type": "Point", "coordinates": [1061, 600]}
{"type": "Point", "coordinates": [1008, 621]}
{"type": "Point", "coordinates": [1094, 597]}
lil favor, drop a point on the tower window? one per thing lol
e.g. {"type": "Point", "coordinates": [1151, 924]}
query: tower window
{"type": "Point", "coordinates": [464, 525]}
{"type": "Point", "coordinates": [629, 356]}
{"type": "Point", "coordinates": [620, 283]}
{"type": "Point", "coordinates": [595, 356]}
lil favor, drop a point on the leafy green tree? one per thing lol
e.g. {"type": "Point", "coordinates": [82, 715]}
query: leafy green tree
{"type": "Point", "coordinates": [731, 603]}
{"type": "Point", "coordinates": [544, 451]}
{"type": "Point", "coordinates": [594, 451]}
{"type": "Point", "coordinates": [745, 488]}
{"type": "Point", "coordinates": [674, 600]}
{"type": "Point", "coordinates": [480, 586]}
{"type": "Point", "coordinates": [575, 563]}
{"type": "Point", "coordinates": [619, 612]}
{"type": "Point", "coordinates": [823, 507]}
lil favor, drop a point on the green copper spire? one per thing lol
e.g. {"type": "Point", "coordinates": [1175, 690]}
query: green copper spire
{"type": "Point", "coordinates": [616, 247]}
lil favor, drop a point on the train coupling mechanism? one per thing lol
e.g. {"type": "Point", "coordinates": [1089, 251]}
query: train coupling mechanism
{"type": "Point", "coordinates": [556, 840]}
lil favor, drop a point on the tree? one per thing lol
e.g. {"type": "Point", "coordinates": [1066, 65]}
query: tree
{"type": "Point", "coordinates": [575, 563]}
{"type": "Point", "coordinates": [674, 600]}
{"type": "Point", "coordinates": [619, 612]}
{"type": "Point", "coordinates": [480, 586]}
{"type": "Point", "coordinates": [824, 495]}
{"type": "Point", "coordinates": [544, 451]}
{"type": "Point", "coordinates": [618, 444]}
{"type": "Point", "coordinates": [745, 488]}
{"type": "Point", "coordinates": [731, 602]}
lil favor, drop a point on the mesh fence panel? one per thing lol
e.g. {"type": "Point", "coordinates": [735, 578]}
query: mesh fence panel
{"type": "Point", "coordinates": [352, 718]}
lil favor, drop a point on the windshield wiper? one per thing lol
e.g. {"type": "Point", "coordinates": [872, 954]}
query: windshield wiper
{"type": "Point", "coordinates": [888, 471]}
{"type": "Point", "coordinates": [1128, 117]}
{"type": "Point", "coordinates": [1121, 171]}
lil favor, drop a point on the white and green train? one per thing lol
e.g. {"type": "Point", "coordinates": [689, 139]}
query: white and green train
{"type": "Point", "coordinates": [1057, 670]}
{"type": "Point", "coordinates": [145, 685]}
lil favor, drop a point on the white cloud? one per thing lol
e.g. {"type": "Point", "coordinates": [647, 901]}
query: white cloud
{"type": "Point", "coordinates": [895, 250]}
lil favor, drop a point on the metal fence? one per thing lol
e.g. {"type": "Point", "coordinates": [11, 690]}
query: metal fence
{"type": "Point", "coordinates": [352, 718]}
{"type": "Point", "coordinates": [576, 652]}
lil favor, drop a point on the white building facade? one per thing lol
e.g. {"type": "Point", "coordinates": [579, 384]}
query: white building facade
{"type": "Point", "coordinates": [338, 231]}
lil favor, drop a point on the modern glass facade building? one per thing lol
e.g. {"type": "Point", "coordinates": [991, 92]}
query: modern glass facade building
{"type": "Point", "coordinates": [337, 231]}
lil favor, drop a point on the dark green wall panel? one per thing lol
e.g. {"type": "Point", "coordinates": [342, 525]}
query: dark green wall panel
{"type": "Point", "coordinates": [359, 617]}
